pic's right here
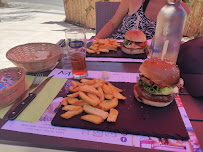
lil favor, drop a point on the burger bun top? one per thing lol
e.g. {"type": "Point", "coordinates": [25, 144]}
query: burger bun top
{"type": "Point", "coordinates": [163, 73]}
{"type": "Point", "coordinates": [135, 35]}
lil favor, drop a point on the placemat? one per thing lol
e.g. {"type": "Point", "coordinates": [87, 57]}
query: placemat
{"type": "Point", "coordinates": [134, 118]}
{"type": "Point", "coordinates": [37, 107]}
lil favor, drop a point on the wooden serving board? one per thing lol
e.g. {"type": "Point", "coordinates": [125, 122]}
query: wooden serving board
{"type": "Point", "coordinates": [134, 118]}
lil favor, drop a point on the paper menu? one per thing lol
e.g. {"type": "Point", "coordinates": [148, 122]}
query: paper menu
{"type": "Point", "coordinates": [113, 76]}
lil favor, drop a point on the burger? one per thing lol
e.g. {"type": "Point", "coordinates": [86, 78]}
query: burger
{"type": "Point", "coordinates": [159, 82]}
{"type": "Point", "coordinates": [135, 42]}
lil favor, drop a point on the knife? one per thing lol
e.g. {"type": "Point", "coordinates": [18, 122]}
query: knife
{"type": "Point", "coordinates": [27, 100]}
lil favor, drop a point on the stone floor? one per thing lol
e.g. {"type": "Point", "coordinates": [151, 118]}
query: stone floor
{"type": "Point", "coordinates": [25, 21]}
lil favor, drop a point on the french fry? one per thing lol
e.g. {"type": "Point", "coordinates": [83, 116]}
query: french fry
{"type": "Point", "coordinates": [103, 45]}
{"type": "Point", "coordinates": [75, 101]}
{"type": "Point", "coordinates": [76, 89]}
{"type": "Point", "coordinates": [108, 96]}
{"type": "Point", "coordinates": [95, 111]}
{"type": "Point", "coordinates": [90, 82]}
{"type": "Point", "coordinates": [64, 101]}
{"type": "Point", "coordinates": [109, 84]}
{"type": "Point", "coordinates": [79, 84]}
{"type": "Point", "coordinates": [107, 89]}
{"type": "Point", "coordinates": [73, 95]}
{"type": "Point", "coordinates": [71, 107]}
{"type": "Point", "coordinates": [101, 94]}
{"type": "Point", "coordinates": [108, 104]}
{"type": "Point", "coordinates": [74, 84]}
{"type": "Point", "coordinates": [87, 99]}
{"type": "Point", "coordinates": [71, 88]}
{"type": "Point", "coordinates": [108, 46]}
{"type": "Point", "coordinates": [116, 94]}
{"type": "Point", "coordinates": [113, 114]}
{"type": "Point", "coordinates": [99, 84]}
{"type": "Point", "coordinates": [70, 114]}
{"type": "Point", "coordinates": [90, 51]}
{"type": "Point", "coordinates": [90, 89]}
{"type": "Point", "coordinates": [92, 118]}
{"type": "Point", "coordinates": [103, 50]}
{"type": "Point", "coordinates": [92, 47]}
{"type": "Point", "coordinates": [100, 80]}
{"type": "Point", "coordinates": [94, 97]}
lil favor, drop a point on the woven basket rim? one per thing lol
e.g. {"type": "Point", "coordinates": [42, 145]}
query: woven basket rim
{"type": "Point", "coordinates": [15, 84]}
{"type": "Point", "coordinates": [34, 61]}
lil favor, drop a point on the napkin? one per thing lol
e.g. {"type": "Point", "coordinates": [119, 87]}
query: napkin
{"type": "Point", "coordinates": [37, 107]}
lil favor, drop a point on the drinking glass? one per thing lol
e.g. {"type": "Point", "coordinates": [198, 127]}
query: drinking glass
{"type": "Point", "coordinates": [76, 46]}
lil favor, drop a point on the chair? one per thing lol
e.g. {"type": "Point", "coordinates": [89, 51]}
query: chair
{"type": "Point", "coordinates": [104, 12]}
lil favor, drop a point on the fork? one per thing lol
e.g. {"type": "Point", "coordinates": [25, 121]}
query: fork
{"type": "Point", "coordinates": [37, 80]}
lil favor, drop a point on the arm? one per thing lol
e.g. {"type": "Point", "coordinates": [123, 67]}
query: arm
{"type": "Point", "coordinates": [186, 7]}
{"type": "Point", "coordinates": [115, 21]}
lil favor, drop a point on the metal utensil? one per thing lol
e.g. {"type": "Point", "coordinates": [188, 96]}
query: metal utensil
{"type": "Point", "coordinates": [26, 101]}
{"type": "Point", "coordinates": [37, 80]}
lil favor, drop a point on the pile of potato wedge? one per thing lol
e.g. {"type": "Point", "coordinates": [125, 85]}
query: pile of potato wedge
{"type": "Point", "coordinates": [103, 45]}
{"type": "Point", "coordinates": [97, 97]}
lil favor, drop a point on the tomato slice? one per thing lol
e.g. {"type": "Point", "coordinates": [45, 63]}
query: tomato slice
{"type": "Point", "coordinates": [161, 86]}
{"type": "Point", "coordinates": [142, 44]}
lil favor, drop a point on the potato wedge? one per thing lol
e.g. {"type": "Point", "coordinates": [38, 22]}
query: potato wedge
{"type": "Point", "coordinates": [109, 104]}
{"type": "Point", "coordinates": [109, 84]}
{"type": "Point", "coordinates": [73, 95]}
{"type": "Point", "coordinates": [64, 101]}
{"type": "Point", "coordinates": [95, 111]}
{"type": "Point", "coordinates": [107, 89]}
{"type": "Point", "coordinates": [76, 89]}
{"type": "Point", "coordinates": [92, 118]}
{"type": "Point", "coordinates": [94, 97]}
{"type": "Point", "coordinates": [75, 101]}
{"type": "Point", "coordinates": [90, 51]}
{"type": "Point", "coordinates": [113, 114]}
{"type": "Point", "coordinates": [71, 88]}
{"type": "Point", "coordinates": [101, 94]}
{"type": "Point", "coordinates": [70, 114]}
{"type": "Point", "coordinates": [87, 99]}
{"type": "Point", "coordinates": [71, 107]}
{"type": "Point", "coordinates": [108, 96]}
{"type": "Point", "coordinates": [74, 84]}
{"type": "Point", "coordinates": [116, 94]}
{"type": "Point", "coordinates": [90, 82]}
{"type": "Point", "coordinates": [89, 89]}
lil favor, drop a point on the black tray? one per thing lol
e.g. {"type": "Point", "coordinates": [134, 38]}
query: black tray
{"type": "Point", "coordinates": [134, 118]}
{"type": "Point", "coordinates": [116, 54]}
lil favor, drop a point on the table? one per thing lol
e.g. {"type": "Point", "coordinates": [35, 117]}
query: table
{"type": "Point", "coordinates": [193, 107]}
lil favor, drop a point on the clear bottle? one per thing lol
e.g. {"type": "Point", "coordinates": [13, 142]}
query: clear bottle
{"type": "Point", "coordinates": [170, 24]}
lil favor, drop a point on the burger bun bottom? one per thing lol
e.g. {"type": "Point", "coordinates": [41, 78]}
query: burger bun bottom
{"type": "Point", "coordinates": [150, 102]}
{"type": "Point", "coordinates": [135, 51]}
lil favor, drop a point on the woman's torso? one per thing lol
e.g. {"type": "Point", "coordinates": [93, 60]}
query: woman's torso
{"type": "Point", "coordinates": [129, 22]}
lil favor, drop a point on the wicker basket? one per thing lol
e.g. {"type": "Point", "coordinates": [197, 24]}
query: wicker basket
{"type": "Point", "coordinates": [8, 96]}
{"type": "Point", "coordinates": [24, 56]}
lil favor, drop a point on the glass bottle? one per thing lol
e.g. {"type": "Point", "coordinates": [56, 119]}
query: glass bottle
{"type": "Point", "coordinates": [170, 24]}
